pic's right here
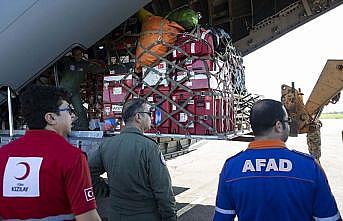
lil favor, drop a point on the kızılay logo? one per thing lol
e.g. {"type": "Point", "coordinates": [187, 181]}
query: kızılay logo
{"type": "Point", "coordinates": [27, 171]}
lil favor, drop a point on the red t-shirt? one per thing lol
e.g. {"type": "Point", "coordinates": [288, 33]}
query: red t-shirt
{"type": "Point", "coordinates": [42, 175]}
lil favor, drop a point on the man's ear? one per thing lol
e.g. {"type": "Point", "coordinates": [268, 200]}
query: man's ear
{"type": "Point", "coordinates": [138, 117]}
{"type": "Point", "coordinates": [50, 118]}
{"type": "Point", "coordinates": [278, 127]}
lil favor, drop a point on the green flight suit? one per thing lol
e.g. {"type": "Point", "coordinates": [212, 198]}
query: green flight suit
{"type": "Point", "coordinates": [72, 75]}
{"type": "Point", "coordinates": [138, 179]}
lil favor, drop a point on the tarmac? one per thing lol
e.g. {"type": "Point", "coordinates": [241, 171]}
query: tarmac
{"type": "Point", "coordinates": [195, 175]}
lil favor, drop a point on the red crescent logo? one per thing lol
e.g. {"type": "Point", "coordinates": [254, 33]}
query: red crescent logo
{"type": "Point", "coordinates": [27, 166]}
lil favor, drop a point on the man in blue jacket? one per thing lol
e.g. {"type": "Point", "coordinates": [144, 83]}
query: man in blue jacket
{"type": "Point", "coordinates": [268, 181]}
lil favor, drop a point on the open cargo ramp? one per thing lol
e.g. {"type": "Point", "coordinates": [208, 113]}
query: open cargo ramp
{"type": "Point", "coordinates": [35, 33]}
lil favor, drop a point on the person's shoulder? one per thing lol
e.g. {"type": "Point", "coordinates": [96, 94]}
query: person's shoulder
{"type": "Point", "coordinates": [110, 139]}
{"type": "Point", "coordinates": [85, 62]}
{"type": "Point", "coordinates": [16, 143]}
{"type": "Point", "coordinates": [108, 143]}
{"type": "Point", "coordinates": [230, 166]}
{"type": "Point", "coordinates": [303, 159]}
{"type": "Point", "coordinates": [303, 155]}
{"type": "Point", "coordinates": [140, 137]}
{"type": "Point", "coordinates": [137, 137]}
{"type": "Point", "coordinates": [66, 60]}
{"type": "Point", "coordinates": [149, 140]}
{"type": "Point", "coordinates": [72, 155]}
{"type": "Point", "coordinates": [234, 157]}
{"type": "Point", "coordinates": [69, 149]}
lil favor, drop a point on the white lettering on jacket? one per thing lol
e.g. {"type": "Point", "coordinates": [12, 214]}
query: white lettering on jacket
{"type": "Point", "coordinates": [267, 165]}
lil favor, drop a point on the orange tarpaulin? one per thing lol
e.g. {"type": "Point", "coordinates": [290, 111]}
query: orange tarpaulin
{"type": "Point", "coordinates": [155, 36]}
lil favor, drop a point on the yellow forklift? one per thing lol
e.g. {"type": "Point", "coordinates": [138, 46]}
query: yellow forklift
{"type": "Point", "coordinates": [305, 117]}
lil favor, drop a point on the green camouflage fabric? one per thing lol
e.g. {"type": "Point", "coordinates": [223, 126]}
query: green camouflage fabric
{"type": "Point", "coordinates": [314, 143]}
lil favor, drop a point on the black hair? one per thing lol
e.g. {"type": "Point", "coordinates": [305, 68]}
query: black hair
{"type": "Point", "coordinates": [264, 114]}
{"type": "Point", "coordinates": [38, 100]}
{"type": "Point", "coordinates": [76, 48]}
{"type": "Point", "coordinates": [131, 107]}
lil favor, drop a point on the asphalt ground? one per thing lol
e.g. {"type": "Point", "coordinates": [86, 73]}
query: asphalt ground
{"type": "Point", "coordinates": [195, 175]}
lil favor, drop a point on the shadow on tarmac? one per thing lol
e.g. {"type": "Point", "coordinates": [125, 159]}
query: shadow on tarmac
{"type": "Point", "coordinates": [198, 213]}
{"type": "Point", "coordinates": [103, 203]}
{"type": "Point", "coordinates": [177, 190]}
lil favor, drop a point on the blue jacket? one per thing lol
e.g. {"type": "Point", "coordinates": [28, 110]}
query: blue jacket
{"type": "Point", "coordinates": [270, 182]}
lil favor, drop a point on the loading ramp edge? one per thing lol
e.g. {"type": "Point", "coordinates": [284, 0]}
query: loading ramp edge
{"type": "Point", "coordinates": [101, 134]}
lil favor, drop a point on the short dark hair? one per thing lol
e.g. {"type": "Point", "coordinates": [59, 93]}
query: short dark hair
{"type": "Point", "coordinates": [264, 114]}
{"type": "Point", "coordinates": [76, 48]}
{"type": "Point", "coordinates": [131, 107]}
{"type": "Point", "coordinates": [38, 100]}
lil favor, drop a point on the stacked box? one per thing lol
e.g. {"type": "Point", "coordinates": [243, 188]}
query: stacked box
{"type": "Point", "coordinates": [160, 111]}
{"type": "Point", "coordinates": [190, 45]}
{"type": "Point", "coordinates": [183, 113]}
{"type": "Point", "coordinates": [191, 90]}
{"type": "Point", "coordinates": [199, 111]}
{"type": "Point", "coordinates": [199, 96]}
{"type": "Point", "coordinates": [115, 93]}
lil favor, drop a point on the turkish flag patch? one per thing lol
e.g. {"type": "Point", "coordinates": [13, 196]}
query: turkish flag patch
{"type": "Point", "coordinates": [89, 194]}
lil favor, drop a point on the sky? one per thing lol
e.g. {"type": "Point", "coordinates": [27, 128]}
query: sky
{"type": "Point", "coordinates": [298, 56]}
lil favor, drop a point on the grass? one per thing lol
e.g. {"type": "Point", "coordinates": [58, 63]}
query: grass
{"type": "Point", "coordinates": [331, 116]}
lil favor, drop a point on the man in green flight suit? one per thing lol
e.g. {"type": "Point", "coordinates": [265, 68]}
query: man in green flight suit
{"type": "Point", "coordinates": [73, 70]}
{"type": "Point", "coordinates": [139, 183]}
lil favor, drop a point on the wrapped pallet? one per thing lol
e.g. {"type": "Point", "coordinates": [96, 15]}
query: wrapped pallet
{"type": "Point", "coordinates": [189, 79]}
{"type": "Point", "coordinates": [155, 39]}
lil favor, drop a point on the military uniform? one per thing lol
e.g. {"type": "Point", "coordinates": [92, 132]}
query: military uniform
{"type": "Point", "coordinates": [314, 143]}
{"type": "Point", "coordinates": [72, 75]}
{"type": "Point", "coordinates": [314, 140]}
{"type": "Point", "coordinates": [138, 179]}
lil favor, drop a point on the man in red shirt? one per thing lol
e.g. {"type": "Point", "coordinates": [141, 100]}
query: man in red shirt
{"type": "Point", "coordinates": [42, 176]}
